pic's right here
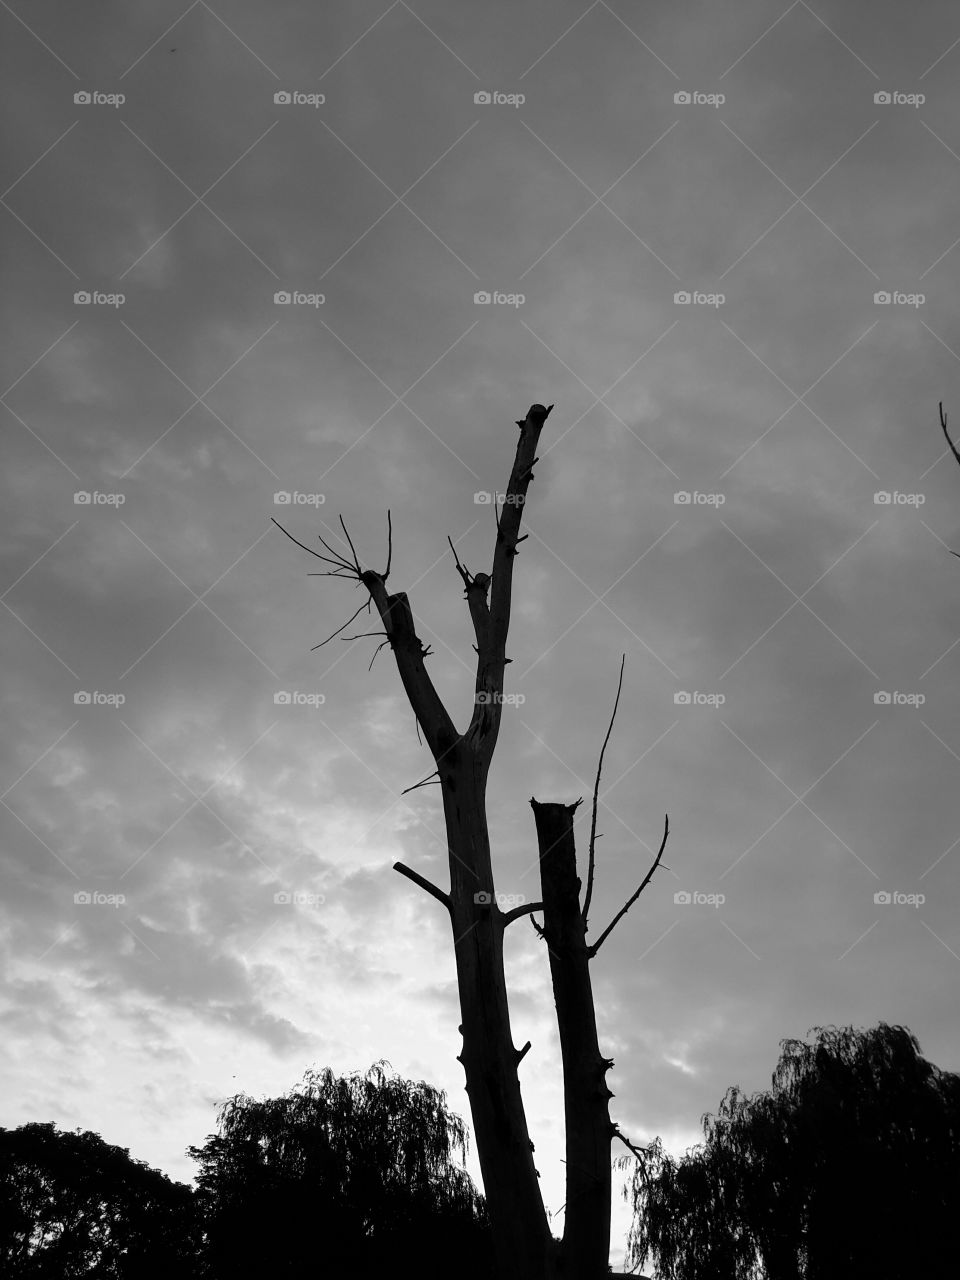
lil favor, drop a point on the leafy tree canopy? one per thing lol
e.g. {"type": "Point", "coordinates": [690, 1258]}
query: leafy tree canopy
{"type": "Point", "coordinates": [71, 1206]}
{"type": "Point", "coordinates": [342, 1176]}
{"type": "Point", "coordinates": [849, 1166]}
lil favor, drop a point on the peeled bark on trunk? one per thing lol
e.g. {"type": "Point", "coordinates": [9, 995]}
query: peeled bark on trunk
{"type": "Point", "coordinates": [586, 1234]}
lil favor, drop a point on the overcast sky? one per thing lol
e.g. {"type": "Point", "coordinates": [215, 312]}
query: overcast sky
{"type": "Point", "coordinates": [783, 597]}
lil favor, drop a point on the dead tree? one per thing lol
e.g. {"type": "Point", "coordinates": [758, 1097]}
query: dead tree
{"type": "Point", "coordinates": [525, 1248]}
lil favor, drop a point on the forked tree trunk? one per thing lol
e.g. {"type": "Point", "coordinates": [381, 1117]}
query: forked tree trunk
{"type": "Point", "coordinates": [525, 1248]}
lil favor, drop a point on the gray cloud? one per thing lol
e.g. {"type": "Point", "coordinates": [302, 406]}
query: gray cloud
{"type": "Point", "coordinates": [796, 399]}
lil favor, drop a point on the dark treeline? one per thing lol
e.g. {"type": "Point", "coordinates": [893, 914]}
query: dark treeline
{"type": "Point", "coordinates": [343, 1177]}
{"type": "Point", "coordinates": [848, 1167]}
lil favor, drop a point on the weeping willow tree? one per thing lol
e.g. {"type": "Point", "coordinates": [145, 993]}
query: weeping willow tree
{"type": "Point", "coordinates": [849, 1166]}
{"type": "Point", "coordinates": [342, 1176]}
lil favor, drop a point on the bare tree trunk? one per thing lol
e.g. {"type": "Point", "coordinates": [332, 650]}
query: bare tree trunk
{"type": "Point", "coordinates": [489, 1059]}
{"type": "Point", "coordinates": [521, 1234]}
{"type": "Point", "coordinates": [586, 1234]}
{"type": "Point", "coordinates": [524, 1247]}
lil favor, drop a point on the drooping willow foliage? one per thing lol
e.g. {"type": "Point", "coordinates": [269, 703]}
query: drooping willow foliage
{"type": "Point", "coordinates": [849, 1166]}
{"type": "Point", "coordinates": [343, 1172]}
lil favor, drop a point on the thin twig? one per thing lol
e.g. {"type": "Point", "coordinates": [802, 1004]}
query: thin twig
{"type": "Point", "coordinates": [363, 635]}
{"type": "Point", "coordinates": [461, 569]}
{"type": "Point", "coordinates": [426, 782]}
{"type": "Point", "coordinates": [596, 792]}
{"type": "Point", "coordinates": [366, 605]}
{"type": "Point", "coordinates": [943, 423]}
{"type": "Point", "coordinates": [375, 652]}
{"type": "Point", "coordinates": [592, 951]}
{"type": "Point", "coordinates": [643, 1154]}
{"type": "Point", "coordinates": [341, 562]}
{"type": "Point", "coordinates": [352, 548]}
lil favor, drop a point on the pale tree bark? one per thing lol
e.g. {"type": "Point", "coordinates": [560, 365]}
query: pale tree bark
{"type": "Point", "coordinates": [524, 1246]}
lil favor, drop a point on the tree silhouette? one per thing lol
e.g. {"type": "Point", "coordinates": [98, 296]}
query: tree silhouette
{"type": "Point", "coordinates": [848, 1167]}
{"type": "Point", "coordinates": [73, 1206]}
{"type": "Point", "coordinates": [344, 1176]}
{"type": "Point", "coordinates": [525, 1248]}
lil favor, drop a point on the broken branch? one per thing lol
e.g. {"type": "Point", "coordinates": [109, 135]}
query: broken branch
{"type": "Point", "coordinates": [424, 883]}
{"type": "Point", "coordinates": [397, 618]}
